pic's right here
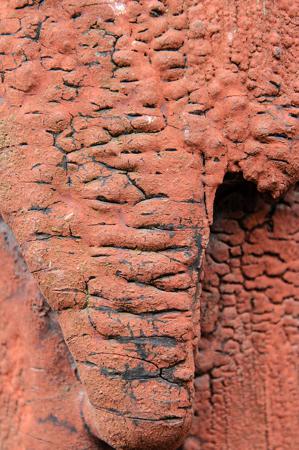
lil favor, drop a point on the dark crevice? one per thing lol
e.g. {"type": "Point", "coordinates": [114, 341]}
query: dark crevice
{"type": "Point", "coordinates": [235, 194]}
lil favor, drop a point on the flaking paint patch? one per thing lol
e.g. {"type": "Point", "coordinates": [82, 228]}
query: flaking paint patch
{"type": "Point", "coordinates": [119, 7]}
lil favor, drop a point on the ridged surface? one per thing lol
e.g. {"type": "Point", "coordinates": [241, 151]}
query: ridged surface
{"type": "Point", "coordinates": [119, 121]}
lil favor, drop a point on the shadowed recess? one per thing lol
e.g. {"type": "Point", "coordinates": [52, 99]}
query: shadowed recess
{"type": "Point", "coordinates": [246, 360]}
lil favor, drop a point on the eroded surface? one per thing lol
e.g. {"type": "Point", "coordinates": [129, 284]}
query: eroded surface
{"type": "Point", "coordinates": [247, 391]}
{"type": "Point", "coordinates": [118, 122]}
{"type": "Point", "coordinates": [40, 397]}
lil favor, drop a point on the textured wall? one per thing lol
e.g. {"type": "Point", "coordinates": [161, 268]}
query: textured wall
{"type": "Point", "coordinates": [40, 396]}
{"type": "Point", "coordinates": [246, 385]}
{"type": "Point", "coordinates": [247, 390]}
{"type": "Point", "coordinates": [119, 120]}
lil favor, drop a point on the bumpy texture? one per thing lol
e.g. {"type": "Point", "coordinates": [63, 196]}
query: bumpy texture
{"type": "Point", "coordinates": [247, 390]}
{"type": "Point", "coordinates": [119, 120]}
{"type": "Point", "coordinates": [246, 367]}
{"type": "Point", "coordinates": [40, 396]}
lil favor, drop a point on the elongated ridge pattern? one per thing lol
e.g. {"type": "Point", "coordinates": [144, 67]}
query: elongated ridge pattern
{"type": "Point", "coordinates": [119, 120]}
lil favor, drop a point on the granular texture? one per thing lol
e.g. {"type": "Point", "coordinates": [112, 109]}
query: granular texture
{"type": "Point", "coordinates": [119, 120]}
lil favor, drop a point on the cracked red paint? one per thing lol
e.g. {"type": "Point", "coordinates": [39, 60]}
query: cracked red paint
{"type": "Point", "coordinates": [119, 121]}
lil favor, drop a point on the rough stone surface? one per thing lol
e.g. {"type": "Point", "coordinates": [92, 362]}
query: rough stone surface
{"type": "Point", "coordinates": [247, 390]}
{"type": "Point", "coordinates": [246, 367]}
{"type": "Point", "coordinates": [40, 396]}
{"type": "Point", "coordinates": [119, 120]}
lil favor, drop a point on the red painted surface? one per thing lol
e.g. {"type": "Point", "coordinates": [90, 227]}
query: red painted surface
{"type": "Point", "coordinates": [40, 396]}
{"type": "Point", "coordinates": [119, 120]}
{"type": "Point", "coordinates": [247, 391]}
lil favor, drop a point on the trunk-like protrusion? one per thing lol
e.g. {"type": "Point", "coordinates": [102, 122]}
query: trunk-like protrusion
{"type": "Point", "coordinates": [133, 340]}
{"type": "Point", "coordinates": [118, 121]}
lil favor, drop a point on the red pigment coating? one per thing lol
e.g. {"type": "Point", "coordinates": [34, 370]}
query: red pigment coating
{"type": "Point", "coordinates": [40, 398]}
{"type": "Point", "coordinates": [119, 120]}
{"type": "Point", "coordinates": [246, 366]}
